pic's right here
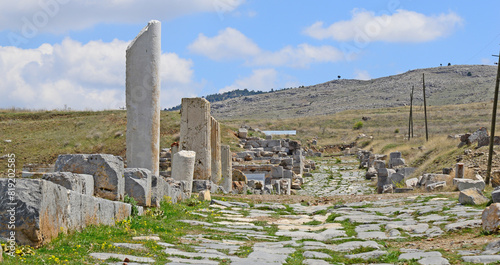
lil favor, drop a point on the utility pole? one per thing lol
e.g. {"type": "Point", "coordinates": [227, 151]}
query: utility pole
{"type": "Point", "coordinates": [493, 121]}
{"type": "Point", "coordinates": [410, 120]}
{"type": "Point", "coordinates": [425, 109]}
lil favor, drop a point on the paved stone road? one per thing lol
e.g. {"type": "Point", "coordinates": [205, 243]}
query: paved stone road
{"type": "Point", "coordinates": [359, 232]}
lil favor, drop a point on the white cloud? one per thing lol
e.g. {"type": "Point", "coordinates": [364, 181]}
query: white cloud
{"type": "Point", "coordinates": [56, 16]}
{"type": "Point", "coordinates": [81, 76]}
{"type": "Point", "coordinates": [232, 44]}
{"type": "Point", "coordinates": [402, 26]}
{"type": "Point", "coordinates": [261, 79]}
{"type": "Point", "coordinates": [301, 56]}
{"type": "Point", "coordinates": [228, 44]}
{"type": "Point", "coordinates": [362, 75]}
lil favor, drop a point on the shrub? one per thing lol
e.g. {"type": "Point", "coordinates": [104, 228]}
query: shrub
{"type": "Point", "coordinates": [396, 131]}
{"type": "Point", "coordinates": [358, 125]}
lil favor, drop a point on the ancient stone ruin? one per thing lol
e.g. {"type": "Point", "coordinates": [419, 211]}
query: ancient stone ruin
{"type": "Point", "coordinates": [143, 99]}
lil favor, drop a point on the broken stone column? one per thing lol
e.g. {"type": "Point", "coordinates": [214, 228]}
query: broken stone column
{"type": "Point", "coordinates": [227, 167]}
{"type": "Point", "coordinates": [143, 99]}
{"type": "Point", "coordinates": [459, 170]}
{"type": "Point", "coordinates": [216, 151]}
{"type": "Point", "coordinates": [183, 167]}
{"type": "Point", "coordinates": [195, 134]}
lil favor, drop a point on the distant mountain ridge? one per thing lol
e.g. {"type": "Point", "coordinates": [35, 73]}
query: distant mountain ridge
{"type": "Point", "coordinates": [224, 96]}
{"type": "Point", "coordinates": [445, 85]}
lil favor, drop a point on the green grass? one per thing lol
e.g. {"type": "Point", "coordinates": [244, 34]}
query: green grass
{"type": "Point", "coordinates": [74, 248]}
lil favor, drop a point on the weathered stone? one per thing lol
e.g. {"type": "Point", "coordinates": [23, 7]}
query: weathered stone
{"type": "Point", "coordinates": [242, 133]}
{"type": "Point", "coordinates": [200, 185]}
{"type": "Point", "coordinates": [286, 185]}
{"type": "Point", "coordinates": [168, 189]}
{"type": "Point", "coordinates": [238, 187]}
{"type": "Point", "coordinates": [239, 176]}
{"type": "Point", "coordinates": [378, 164]}
{"type": "Point", "coordinates": [491, 217]}
{"type": "Point", "coordinates": [432, 178]}
{"type": "Point", "coordinates": [459, 170]}
{"type": "Point", "coordinates": [183, 167]}
{"type": "Point", "coordinates": [397, 180]}
{"type": "Point", "coordinates": [495, 195]}
{"type": "Point", "coordinates": [484, 259]}
{"type": "Point", "coordinates": [435, 186]}
{"type": "Point", "coordinates": [277, 172]}
{"type": "Point", "coordinates": [481, 135]}
{"type": "Point", "coordinates": [464, 184]}
{"type": "Point", "coordinates": [472, 196]}
{"type": "Point", "coordinates": [138, 185]}
{"type": "Point", "coordinates": [81, 183]}
{"type": "Point", "coordinates": [495, 178]}
{"type": "Point", "coordinates": [371, 173]}
{"type": "Point", "coordinates": [107, 171]}
{"type": "Point", "coordinates": [204, 195]}
{"type": "Point", "coordinates": [226, 168]}
{"type": "Point", "coordinates": [411, 183]}
{"type": "Point", "coordinates": [143, 98]}
{"type": "Point", "coordinates": [196, 134]}
{"type": "Point", "coordinates": [215, 142]}
{"type": "Point", "coordinates": [44, 209]}
{"type": "Point", "coordinates": [122, 257]}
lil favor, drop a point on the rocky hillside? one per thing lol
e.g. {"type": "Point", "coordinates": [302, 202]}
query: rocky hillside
{"type": "Point", "coordinates": [444, 85]}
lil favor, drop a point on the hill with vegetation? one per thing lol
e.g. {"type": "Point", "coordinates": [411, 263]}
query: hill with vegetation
{"type": "Point", "coordinates": [225, 96]}
{"type": "Point", "coordinates": [445, 85]}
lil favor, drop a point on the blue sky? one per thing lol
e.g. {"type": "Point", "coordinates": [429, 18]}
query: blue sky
{"type": "Point", "coordinates": [57, 53]}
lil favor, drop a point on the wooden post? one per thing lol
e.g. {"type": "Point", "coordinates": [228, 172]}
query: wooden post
{"type": "Point", "coordinates": [410, 120]}
{"type": "Point", "coordinates": [493, 121]}
{"type": "Point", "coordinates": [425, 109]}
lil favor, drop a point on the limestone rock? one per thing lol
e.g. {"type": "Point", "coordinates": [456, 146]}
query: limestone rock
{"type": "Point", "coordinates": [143, 98]}
{"type": "Point", "coordinates": [371, 173]}
{"type": "Point", "coordinates": [491, 217]}
{"type": "Point", "coordinates": [195, 134]}
{"type": "Point", "coordinates": [81, 183]}
{"type": "Point", "coordinates": [183, 166]}
{"type": "Point", "coordinates": [464, 184]}
{"type": "Point", "coordinates": [238, 186]}
{"type": "Point", "coordinates": [239, 176]}
{"type": "Point", "coordinates": [107, 171]}
{"type": "Point", "coordinates": [411, 183]}
{"type": "Point", "coordinates": [472, 196]}
{"type": "Point", "coordinates": [242, 133]}
{"type": "Point", "coordinates": [45, 209]}
{"type": "Point", "coordinates": [204, 195]}
{"type": "Point", "coordinates": [495, 195]}
{"type": "Point", "coordinates": [226, 167]}
{"type": "Point", "coordinates": [435, 186]}
{"type": "Point", "coordinates": [138, 185]}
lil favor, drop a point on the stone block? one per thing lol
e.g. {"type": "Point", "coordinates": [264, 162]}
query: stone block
{"type": "Point", "coordinates": [491, 218]}
{"type": "Point", "coordinates": [200, 185]}
{"type": "Point", "coordinates": [472, 196]}
{"type": "Point", "coordinates": [411, 183]}
{"type": "Point", "coordinates": [239, 176]}
{"type": "Point", "coordinates": [495, 195]}
{"type": "Point", "coordinates": [371, 173]}
{"type": "Point", "coordinates": [183, 166]}
{"type": "Point", "coordinates": [226, 167]}
{"type": "Point", "coordinates": [406, 171]}
{"type": "Point", "coordinates": [495, 178]}
{"type": "Point", "coordinates": [242, 133]}
{"type": "Point", "coordinates": [44, 209]}
{"type": "Point", "coordinates": [215, 142]}
{"type": "Point", "coordinates": [288, 174]}
{"type": "Point", "coordinates": [277, 172]}
{"type": "Point", "coordinates": [463, 184]}
{"type": "Point", "coordinates": [107, 171]}
{"type": "Point", "coordinates": [459, 170]}
{"type": "Point", "coordinates": [138, 185]}
{"type": "Point", "coordinates": [397, 180]}
{"type": "Point", "coordinates": [378, 164]}
{"type": "Point", "coordinates": [394, 162]}
{"type": "Point", "coordinates": [195, 134]}
{"type": "Point", "coordinates": [432, 178]}
{"type": "Point", "coordinates": [435, 186]}
{"type": "Point", "coordinates": [204, 195]}
{"type": "Point", "coordinates": [81, 183]}
{"type": "Point", "coordinates": [143, 98]}
{"type": "Point", "coordinates": [286, 185]}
